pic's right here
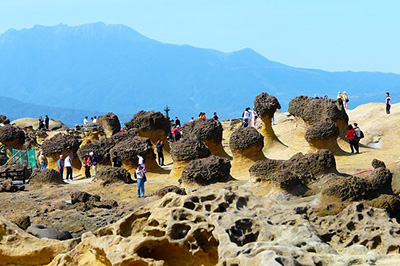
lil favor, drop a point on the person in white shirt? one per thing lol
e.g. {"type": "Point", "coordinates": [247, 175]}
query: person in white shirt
{"type": "Point", "coordinates": [85, 121]}
{"type": "Point", "coordinates": [141, 178]}
{"type": "Point", "coordinates": [246, 117]}
{"type": "Point", "coordinates": [388, 102]}
{"type": "Point", "coordinates": [68, 166]}
{"type": "Point", "coordinates": [95, 120]}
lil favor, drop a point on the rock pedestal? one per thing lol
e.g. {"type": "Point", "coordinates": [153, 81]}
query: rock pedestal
{"type": "Point", "coordinates": [323, 135]}
{"type": "Point", "coordinates": [110, 124]}
{"type": "Point", "coordinates": [246, 145]}
{"type": "Point", "coordinates": [12, 136]}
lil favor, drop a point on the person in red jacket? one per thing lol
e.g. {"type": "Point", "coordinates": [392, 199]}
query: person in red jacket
{"type": "Point", "coordinates": [352, 136]}
{"type": "Point", "coordinates": [88, 164]}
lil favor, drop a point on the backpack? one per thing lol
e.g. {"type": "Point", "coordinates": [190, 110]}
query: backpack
{"type": "Point", "coordinates": [361, 135]}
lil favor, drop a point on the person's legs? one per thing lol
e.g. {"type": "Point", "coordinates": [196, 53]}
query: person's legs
{"type": "Point", "coordinates": [94, 170]}
{"type": "Point", "coordinates": [162, 158]}
{"type": "Point", "coordinates": [387, 108]}
{"type": "Point", "coordinates": [142, 188]}
{"type": "Point", "coordinates": [352, 145]}
{"type": "Point", "coordinates": [87, 171]}
{"type": "Point", "coordinates": [43, 166]}
{"type": "Point", "coordinates": [140, 184]}
{"type": "Point", "coordinates": [159, 158]}
{"type": "Point", "coordinates": [61, 172]}
{"type": "Point", "coordinates": [357, 146]}
{"type": "Point", "coordinates": [69, 173]}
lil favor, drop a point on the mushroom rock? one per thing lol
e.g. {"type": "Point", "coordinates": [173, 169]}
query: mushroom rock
{"type": "Point", "coordinates": [12, 136]}
{"type": "Point", "coordinates": [152, 125]}
{"type": "Point", "coordinates": [323, 135]}
{"type": "Point", "coordinates": [312, 110]}
{"type": "Point", "coordinates": [184, 151]}
{"type": "Point", "coordinates": [206, 171]}
{"type": "Point", "coordinates": [46, 176]}
{"type": "Point", "coordinates": [121, 136]}
{"type": "Point", "coordinates": [4, 120]}
{"type": "Point", "coordinates": [130, 148]}
{"type": "Point", "coordinates": [265, 106]}
{"type": "Point", "coordinates": [209, 131]}
{"type": "Point", "coordinates": [62, 144]}
{"type": "Point", "coordinates": [296, 173]}
{"type": "Point", "coordinates": [101, 148]}
{"type": "Point", "coordinates": [110, 124]}
{"type": "Point", "coordinates": [246, 145]}
{"type": "Point", "coordinates": [110, 175]}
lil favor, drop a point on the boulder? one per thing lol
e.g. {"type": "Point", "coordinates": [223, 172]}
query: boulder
{"type": "Point", "coordinates": [265, 106]}
{"type": "Point", "coordinates": [165, 190]}
{"type": "Point", "coordinates": [110, 175]}
{"type": "Point", "coordinates": [81, 196]}
{"type": "Point", "coordinates": [323, 135]}
{"type": "Point", "coordinates": [8, 186]}
{"type": "Point", "coordinates": [207, 130]}
{"type": "Point", "coordinates": [46, 176]}
{"type": "Point", "coordinates": [4, 120]}
{"type": "Point", "coordinates": [206, 171]}
{"type": "Point", "coordinates": [152, 125]}
{"type": "Point", "coordinates": [12, 136]}
{"type": "Point", "coordinates": [34, 123]}
{"type": "Point", "coordinates": [121, 136]}
{"type": "Point", "coordinates": [12, 167]}
{"type": "Point", "coordinates": [184, 151]}
{"type": "Point", "coordinates": [301, 169]}
{"type": "Point", "coordinates": [23, 221]}
{"type": "Point", "coordinates": [130, 148]}
{"type": "Point", "coordinates": [246, 145]}
{"type": "Point", "coordinates": [377, 164]}
{"type": "Point", "coordinates": [110, 124]}
{"type": "Point", "coordinates": [42, 231]}
{"type": "Point", "coordinates": [62, 144]}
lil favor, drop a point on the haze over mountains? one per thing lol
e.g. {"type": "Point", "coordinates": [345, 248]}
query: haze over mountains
{"type": "Point", "coordinates": [106, 68]}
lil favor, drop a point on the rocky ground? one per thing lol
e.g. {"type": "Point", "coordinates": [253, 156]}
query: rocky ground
{"type": "Point", "coordinates": [235, 222]}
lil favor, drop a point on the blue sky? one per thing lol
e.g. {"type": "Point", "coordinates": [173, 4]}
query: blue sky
{"type": "Point", "coordinates": [357, 35]}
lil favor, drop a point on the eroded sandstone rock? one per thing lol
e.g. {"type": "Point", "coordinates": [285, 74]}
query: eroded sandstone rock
{"type": "Point", "coordinates": [46, 176]}
{"type": "Point", "coordinates": [323, 135]}
{"type": "Point", "coordinates": [12, 136]}
{"type": "Point", "coordinates": [42, 231]}
{"type": "Point", "coordinates": [206, 171]}
{"type": "Point", "coordinates": [110, 123]}
{"type": "Point", "coordinates": [4, 120]}
{"type": "Point", "coordinates": [110, 175]}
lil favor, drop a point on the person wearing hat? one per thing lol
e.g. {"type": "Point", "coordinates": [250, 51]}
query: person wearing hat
{"type": "Point", "coordinates": [60, 165]}
{"type": "Point", "coordinates": [42, 161]}
{"type": "Point", "coordinates": [68, 166]}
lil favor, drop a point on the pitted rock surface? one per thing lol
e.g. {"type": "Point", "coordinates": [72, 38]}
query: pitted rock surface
{"type": "Point", "coordinates": [207, 171]}
{"type": "Point", "coordinates": [110, 123]}
{"type": "Point", "coordinates": [313, 110]}
{"type": "Point", "coordinates": [203, 129]}
{"type": "Point", "coordinates": [149, 121]}
{"type": "Point", "coordinates": [101, 148]}
{"type": "Point", "coordinates": [165, 190]}
{"type": "Point", "coordinates": [377, 163]}
{"type": "Point", "coordinates": [121, 136]}
{"type": "Point", "coordinates": [266, 105]}
{"type": "Point", "coordinates": [306, 168]}
{"type": "Point", "coordinates": [11, 133]}
{"type": "Point", "coordinates": [231, 226]}
{"type": "Point", "coordinates": [244, 138]}
{"type": "Point", "coordinates": [110, 175]}
{"type": "Point", "coordinates": [322, 130]}
{"type": "Point", "coordinates": [46, 176]}
{"type": "Point", "coordinates": [61, 142]}
{"type": "Point", "coordinates": [188, 149]}
{"type": "Point", "coordinates": [130, 148]}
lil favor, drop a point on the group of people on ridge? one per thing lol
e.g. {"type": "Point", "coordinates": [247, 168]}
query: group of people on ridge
{"type": "Point", "coordinates": [249, 118]}
{"type": "Point", "coordinates": [92, 120]}
{"type": "Point", "coordinates": [44, 124]}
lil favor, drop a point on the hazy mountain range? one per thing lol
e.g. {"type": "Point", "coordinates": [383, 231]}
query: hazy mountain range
{"type": "Point", "coordinates": [106, 68]}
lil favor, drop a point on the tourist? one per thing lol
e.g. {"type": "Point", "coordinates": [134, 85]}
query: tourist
{"type": "Point", "coordinates": [191, 119]}
{"type": "Point", "coordinates": [388, 103]}
{"type": "Point", "coordinates": [203, 116]}
{"type": "Point", "coordinates": [60, 165]}
{"type": "Point", "coordinates": [85, 121]}
{"type": "Point", "coordinates": [41, 123]}
{"type": "Point", "coordinates": [352, 136]}
{"type": "Point", "coordinates": [345, 100]}
{"type": "Point", "coordinates": [359, 133]}
{"type": "Point", "coordinates": [91, 120]}
{"type": "Point", "coordinates": [116, 160]}
{"type": "Point", "coordinates": [216, 117]}
{"type": "Point", "coordinates": [177, 121]}
{"type": "Point", "coordinates": [47, 121]}
{"type": "Point", "coordinates": [246, 117]}
{"type": "Point", "coordinates": [88, 141]}
{"type": "Point", "coordinates": [141, 178]}
{"type": "Point", "coordinates": [95, 120]}
{"type": "Point", "coordinates": [200, 115]}
{"type": "Point", "coordinates": [95, 162]}
{"type": "Point", "coordinates": [176, 133]}
{"type": "Point", "coordinates": [326, 97]}
{"type": "Point", "coordinates": [42, 161]}
{"type": "Point", "coordinates": [160, 146]}
{"type": "Point", "coordinates": [339, 96]}
{"type": "Point", "coordinates": [68, 166]}
{"type": "Point", "coordinates": [88, 164]}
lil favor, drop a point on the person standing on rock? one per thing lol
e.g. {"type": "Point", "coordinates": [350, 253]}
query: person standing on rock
{"type": "Point", "coordinates": [141, 178]}
{"type": "Point", "coordinates": [388, 102]}
{"type": "Point", "coordinates": [88, 165]}
{"type": "Point", "coordinates": [160, 146]}
{"type": "Point", "coordinates": [42, 161]}
{"type": "Point", "coordinates": [116, 160]}
{"type": "Point", "coordinates": [95, 120]}
{"type": "Point", "coordinates": [345, 100]}
{"type": "Point", "coordinates": [177, 121]}
{"type": "Point", "coordinates": [60, 165]}
{"type": "Point", "coordinates": [246, 117]}
{"type": "Point", "coordinates": [95, 162]}
{"type": "Point", "coordinates": [191, 119]}
{"type": "Point", "coordinates": [68, 166]}
{"type": "Point", "coordinates": [352, 136]}
{"type": "Point", "coordinates": [47, 121]}
{"type": "Point", "coordinates": [85, 121]}
{"type": "Point", "coordinates": [41, 123]}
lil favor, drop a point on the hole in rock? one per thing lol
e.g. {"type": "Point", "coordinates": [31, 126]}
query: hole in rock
{"type": "Point", "coordinates": [179, 231]}
{"type": "Point", "coordinates": [242, 232]}
{"type": "Point", "coordinates": [189, 205]}
{"type": "Point", "coordinates": [208, 198]}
